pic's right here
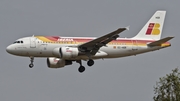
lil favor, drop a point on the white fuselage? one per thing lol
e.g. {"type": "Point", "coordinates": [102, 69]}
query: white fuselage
{"type": "Point", "coordinates": [33, 47]}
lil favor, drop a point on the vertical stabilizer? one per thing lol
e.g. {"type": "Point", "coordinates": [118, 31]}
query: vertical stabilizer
{"type": "Point", "coordinates": [153, 28]}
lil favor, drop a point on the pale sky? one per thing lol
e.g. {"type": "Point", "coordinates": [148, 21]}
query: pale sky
{"type": "Point", "coordinates": [122, 79]}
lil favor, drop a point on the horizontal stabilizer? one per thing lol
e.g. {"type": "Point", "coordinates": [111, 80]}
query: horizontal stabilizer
{"type": "Point", "coordinates": [159, 42]}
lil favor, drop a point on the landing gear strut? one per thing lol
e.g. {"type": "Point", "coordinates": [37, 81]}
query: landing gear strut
{"type": "Point", "coordinates": [90, 62]}
{"type": "Point", "coordinates": [81, 68]}
{"type": "Point", "coordinates": [32, 60]}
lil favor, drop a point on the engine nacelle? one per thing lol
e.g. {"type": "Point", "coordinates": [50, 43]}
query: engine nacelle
{"type": "Point", "coordinates": [66, 52]}
{"type": "Point", "coordinates": [57, 62]}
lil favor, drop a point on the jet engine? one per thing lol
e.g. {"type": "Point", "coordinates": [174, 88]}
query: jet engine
{"type": "Point", "coordinates": [66, 52]}
{"type": "Point", "coordinates": [57, 62]}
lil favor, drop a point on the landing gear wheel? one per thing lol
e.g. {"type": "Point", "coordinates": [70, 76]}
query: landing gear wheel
{"type": "Point", "coordinates": [32, 60]}
{"type": "Point", "coordinates": [81, 69]}
{"type": "Point", "coordinates": [31, 65]}
{"type": "Point", "coordinates": [90, 62]}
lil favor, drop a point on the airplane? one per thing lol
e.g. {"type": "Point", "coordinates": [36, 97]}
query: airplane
{"type": "Point", "coordinates": [63, 51]}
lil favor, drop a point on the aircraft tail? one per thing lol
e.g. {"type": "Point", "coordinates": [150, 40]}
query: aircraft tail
{"type": "Point", "coordinates": [153, 28]}
{"type": "Point", "coordinates": [160, 42]}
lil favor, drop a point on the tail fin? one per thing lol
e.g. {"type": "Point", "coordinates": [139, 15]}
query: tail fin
{"type": "Point", "coordinates": [153, 28]}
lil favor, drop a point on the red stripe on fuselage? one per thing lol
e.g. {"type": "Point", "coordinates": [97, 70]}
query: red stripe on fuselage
{"type": "Point", "coordinates": [52, 38]}
{"type": "Point", "coordinates": [84, 40]}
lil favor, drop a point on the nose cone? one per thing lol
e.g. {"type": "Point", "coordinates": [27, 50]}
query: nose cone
{"type": "Point", "coordinates": [9, 49]}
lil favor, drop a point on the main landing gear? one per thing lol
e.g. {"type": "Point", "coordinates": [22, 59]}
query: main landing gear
{"type": "Point", "coordinates": [90, 62]}
{"type": "Point", "coordinates": [32, 60]}
{"type": "Point", "coordinates": [82, 68]}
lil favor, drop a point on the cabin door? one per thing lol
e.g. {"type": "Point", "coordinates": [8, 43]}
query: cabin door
{"type": "Point", "coordinates": [32, 42]}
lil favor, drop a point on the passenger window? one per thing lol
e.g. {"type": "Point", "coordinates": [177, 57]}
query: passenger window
{"type": "Point", "coordinates": [21, 41]}
{"type": "Point", "coordinates": [18, 41]}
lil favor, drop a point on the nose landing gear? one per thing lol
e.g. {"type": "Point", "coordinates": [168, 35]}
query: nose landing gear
{"type": "Point", "coordinates": [32, 60]}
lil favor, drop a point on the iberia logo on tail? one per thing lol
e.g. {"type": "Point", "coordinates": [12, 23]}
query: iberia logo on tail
{"type": "Point", "coordinates": [153, 29]}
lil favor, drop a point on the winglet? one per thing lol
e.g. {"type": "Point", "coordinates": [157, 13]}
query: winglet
{"type": "Point", "coordinates": [159, 42]}
{"type": "Point", "coordinates": [127, 28]}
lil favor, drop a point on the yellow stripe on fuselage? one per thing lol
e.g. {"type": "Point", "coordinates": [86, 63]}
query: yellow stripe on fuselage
{"type": "Point", "coordinates": [44, 39]}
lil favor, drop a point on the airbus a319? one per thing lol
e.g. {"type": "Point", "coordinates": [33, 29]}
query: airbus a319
{"type": "Point", "coordinates": [63, 51]}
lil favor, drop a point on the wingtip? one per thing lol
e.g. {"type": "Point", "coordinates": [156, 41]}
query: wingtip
{"type": "Point", "coordinates": [127, 28]}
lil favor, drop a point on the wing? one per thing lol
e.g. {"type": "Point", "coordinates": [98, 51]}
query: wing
{"type": "Point", "coordinates": [93, 46]}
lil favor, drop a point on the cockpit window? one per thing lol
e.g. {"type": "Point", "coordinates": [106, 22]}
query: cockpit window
{"type": "Point", "coordinates": [18, 42]}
